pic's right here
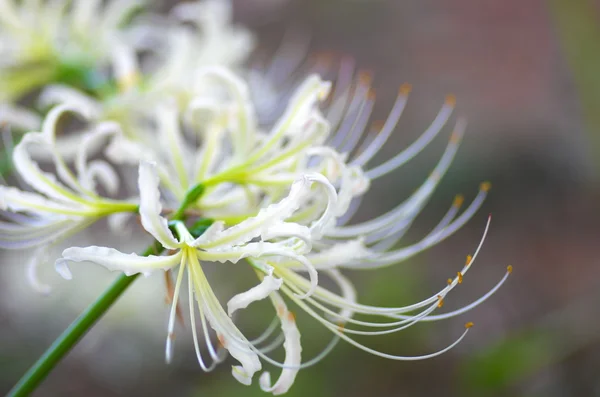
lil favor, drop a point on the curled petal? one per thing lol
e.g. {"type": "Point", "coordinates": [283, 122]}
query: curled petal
{"type": "Point", "coordinates": [150, 207]}
{"type": "Point", "coordinates": [35, 261]}
{"type": "Point", "coordinates": [62, 94]}
{"type": "Point", "coordinates": [253, 227]}
{"type": "Point", "coordinates": [293, 350]}
{"type": "Point", "coordinates": [256, 293]}
{"type": "Point", "coordinates": [31, 173]}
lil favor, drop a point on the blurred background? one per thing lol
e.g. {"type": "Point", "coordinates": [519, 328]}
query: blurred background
{"type": "Point", "coordinates": [525, 74]}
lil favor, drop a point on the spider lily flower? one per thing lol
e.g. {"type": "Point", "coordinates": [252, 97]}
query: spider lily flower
{"type": "Point", "coordinates": [57, 208]}
{"type": "Point", "coordinates": [44, 42]}
{"type": "Point", "coordinates": [197, 35]}
{"type": "Point", "coordinates": [247, 170]}
{"type": "Point", "coordinates": [276, 239]}
{"type": "Point", "coordinates": [242, 166]}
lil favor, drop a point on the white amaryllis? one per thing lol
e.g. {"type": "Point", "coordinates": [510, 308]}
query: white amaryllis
{"type": "Point", "coordinates": [287, 231]}
{"type": "Point", "coordinates": [57, 207]}
{"type": "Point", "coordinates": [276, 239]}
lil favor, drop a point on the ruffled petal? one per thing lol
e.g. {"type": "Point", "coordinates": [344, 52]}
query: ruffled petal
{"type": "Point", "coordinates": [293, 350]}
{"type": "Point", "coordinates": [256, 293]}
{"type": "Point", "coordinates": [253, 227]}
{"type": "Point", "coordinates": [112, 259]}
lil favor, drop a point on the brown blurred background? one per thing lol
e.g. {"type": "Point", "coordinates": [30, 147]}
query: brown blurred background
{"type": "Point", "coordinates": [521, 73]}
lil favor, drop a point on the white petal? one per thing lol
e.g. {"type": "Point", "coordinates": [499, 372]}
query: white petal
{"type": "Point", "coordinates": [340, 254]}
{"type": "Point", "coordinates": [125, 65]}
{"type": "Point", "coordinates": [124, 151]}
{"type": "Point", "coordinates": [19, 117]}
{"type": "Point", "coordinates": [115, 260]}
{"type": "Point", "coordinates": [267, 217]}
{"type": "Point", "coordinates": [31, 173]}
{"type": "Point", "coordinates": [89, 144]}
{"type": "Point", "coordinates": [150, 207]}
{"type": "Point", "coordinates": [16, 200]}
{"type": "Point", "coordinates": [229, 335]}
{"type": "Point", "coordinates": [61, 94]}
{"type": "Point", "coordinates": [293, 351]}
{"type": "Point", "coordinates": [287, 230]}
{"type": "Point", "coordinates": [35, 261]}
{"type": "Point", "coordinates": [99, 171]}
{"type": "Point", "coordinates": [256, 293]}
{"type": "Point", "coordinates": [327, 218]}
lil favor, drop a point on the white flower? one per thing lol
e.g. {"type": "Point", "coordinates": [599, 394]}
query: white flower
{"type": "Point", "coordinates": [176, 55]}
{"type": "Point", "coordinates": [46, 41]}
{"type": "Point", "coordinates": [276, 239]}
{"type": "Point", "coordinates": [57, 208]}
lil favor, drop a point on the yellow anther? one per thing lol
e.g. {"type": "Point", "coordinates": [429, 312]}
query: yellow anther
{"type": "Point", "coordinates": [450, 281]}
{"type": "Point", "coordinates": [280, 310]}
{"type": "Point", "coordinates": [460, 277]}
{"type": "Point", "coordinates": [455, 137]}
{"type": "Point", "coordinates": [365, 77]}
{"type": "Point", "coordinates": [221, 340]}
{"type": "Point", "coordinates": [405, 89]}
{"type": "Point", "coordinates": [485, 186]}
{"type": "Point", "coordinates": [509, 269]}
{"type": "Point", "coordinates": [377, 125]}
{"type": "Point", "coordinates": [458, 200]}
{"type": "Point", "coordinates": [469, 325]}
{"type": "Point", "coordinates": [440, 301]}
{"type": "Point", "coordinates": [450, 100]}
{"type": "Point", "coordinates": [469, 260]}
{"type": "Point", "coordinates": [291, 316]}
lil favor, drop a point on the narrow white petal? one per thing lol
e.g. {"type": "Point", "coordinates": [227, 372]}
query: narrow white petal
{"type": "Point", "coordinates": [31, 173]}
{"type": "Point", "coordinates": [293, 350]}
{"type": "Point", "coordinates": [267, 217]}
{"type": "Point", "coordinates": [340, 254]}
{"type": "Point", "coordinates": [256, 293]}
{"type": "Point", "coordinates": [150, 207]}
{"type": "Point", "coordinates": [16, 200]}
{"type": "Point", "coordinates": [19, 117]}
{"type": "Point", "coordinates": [62, 94]}
{"type": "Point", "coordinates": [115, 260]}
{"type": "Point", "coordinates": [229, 335]}
{"type": "Point", "coordinates": [35, 261]}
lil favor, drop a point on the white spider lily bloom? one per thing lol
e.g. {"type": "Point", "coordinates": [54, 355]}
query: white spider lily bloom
{"type": "Point", "coordinates": [46, 41]}
{"type": "Point", "coordinates": [177, 55]}
{"type": "Point", "coordinates": [347, 112]}
{"type": "Point", "coordinates": [57, 207]}
{"type": "Point", "coordinates": [276, 239]}
{"type": "Point", "coordinates": [242, 166]}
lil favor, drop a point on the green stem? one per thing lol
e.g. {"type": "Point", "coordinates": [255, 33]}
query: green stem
{"type": "Point", "coordinates": [71, 336]}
